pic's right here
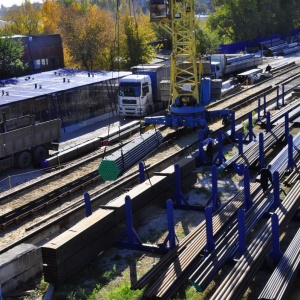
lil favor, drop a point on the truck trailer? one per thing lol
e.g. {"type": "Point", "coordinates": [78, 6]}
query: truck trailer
{"type": "Point", "coordinates": [224, 67]}
{"type": "Point", "coordinates": [23, 141]}
{"type": "Point", "coordinates": [140, 93]}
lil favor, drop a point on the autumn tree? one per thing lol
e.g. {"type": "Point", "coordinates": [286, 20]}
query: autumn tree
{"type": "Point", "coordinates": [23, 19]}
{"type": "Point", "coordinates": [11, 51]}
{"type": "Point", "coordinates": [51, 12]}
{"type": "Point", "coordinates": [88, 36]}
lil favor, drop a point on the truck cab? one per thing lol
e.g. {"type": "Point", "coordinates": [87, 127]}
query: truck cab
{"type": "Point", "coordinates": [216, 70]}
{"type": "Point", "coordinates": [135, 96]}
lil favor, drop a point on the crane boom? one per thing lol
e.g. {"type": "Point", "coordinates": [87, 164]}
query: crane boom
{"type": "Point", "coordinates": [178, 18]}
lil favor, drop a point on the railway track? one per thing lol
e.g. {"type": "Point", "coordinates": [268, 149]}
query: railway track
{"type": "Point", "coordinates": [59, 188]}
{"type": "Point", "coordinates": [31, 219]}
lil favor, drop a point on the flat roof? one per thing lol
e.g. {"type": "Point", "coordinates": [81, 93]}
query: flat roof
{"type": "Point", "coordinates": [55, 81]}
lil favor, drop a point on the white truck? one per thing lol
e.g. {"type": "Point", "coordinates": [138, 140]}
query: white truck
{"type": "Point", "coordinates": [139, 93]}
{"type": "Point", "coordinates": [224, 67]}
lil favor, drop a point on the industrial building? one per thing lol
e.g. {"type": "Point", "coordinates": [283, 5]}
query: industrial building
{"type": "Point", "coordinates": [71, 95]}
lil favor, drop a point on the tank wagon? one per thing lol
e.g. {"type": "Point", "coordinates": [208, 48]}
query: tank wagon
{"type": "Point", "coordinates": [24, 142]}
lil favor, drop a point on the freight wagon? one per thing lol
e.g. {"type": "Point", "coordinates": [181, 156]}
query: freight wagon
{"type": "Point", "coordinates": [24, 142]}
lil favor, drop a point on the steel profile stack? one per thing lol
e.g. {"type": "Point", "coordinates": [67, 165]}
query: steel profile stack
{"type": "Point", "coordinates": [285, 271]}
{"type": "Point", "coordinates": [251, 155]}
{"type": "Point", "coordinates": [239, 278]}
{"type": "Point", "coordinates": [115, 164]}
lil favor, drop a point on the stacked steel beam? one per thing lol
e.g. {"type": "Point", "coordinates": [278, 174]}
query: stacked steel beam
{"type": "Point", "coordinates": [280, 162]}
{"type": "Point", "coordinates": [115, 164]}
{"type": "Point", "coordinates": [175, 273]}
{"type": "Point", "coordinates": [287, 268]}
{"type": "Point", "coordinates": [241, 275]}
{"type": "Point", "coordinates": [251, 155]}
{"type": "Point", "coordinates": [228, 244]}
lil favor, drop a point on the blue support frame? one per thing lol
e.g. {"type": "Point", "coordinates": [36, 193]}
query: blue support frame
{"type": "Point", "coordinates": [276, 188]}
{"type": "Point", "coordinates": [277, 98]}
{"type": "Point", "coordinates": [220, 158]}
{"type": "Point", "coordinates": [88, 206]}
{"type": "Point", "coordinates": [181, 201]}
{"type": "Point", "coordinates": [291, 161]}
{"type": "Point", "coordinates": [282, 104]}
{"type": "Point", "coordinates": [171, 238]}
{"type": "Point", "coordinates": [214, 198]}
{"type": "Point", "coordinates": [265, 105]}
{"type": "Point", "coordinates": [286, 126]}
{"type": "Point", "coordinates": [276, 253]}
{"type": "Point", "coordinates": [242, 247]}
{"type": "Point", "coordinates": [130, 239]}
{"type": "Point", "coordinates": [261, 150]}
{"type": "Point", "coordinates": [210, 243]}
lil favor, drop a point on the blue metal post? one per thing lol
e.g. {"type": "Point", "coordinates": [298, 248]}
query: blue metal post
{"type": "Point", "coordinates": [248, 201]}
{"type": "Point", "coordinates": [282, 95]}
{"type": "Point", "coordinates": [291, 162]}
{"type": "Point", "coordinates": [241, 150]}
{"type": "Point", "coordinates": [220, 157]}
{"type": "Point", "coordinates": [88, 206]}
{"type": "Point", "coordinates": [268, 121]}
{"type": "Point", "coordinates": [277, 98]}
{"type": "Point", "coordinates": [130, 232]}
{"type": "Point", "coordinates": [265, 105]}
{"type": "Point", "coordinates": [242, 231]}
{"type": "Point", "coordinates": [286, 126]}
{"type": "Point", "coordinates": [276, 253]}
{"type": "Point", "coordinates": [178, 193]}
{"type": "Point", "coordinates": [214, 199]}
{"type": "Point", "coordinates": [276, 189]}
{"type": "Point", "coordinates": [210, 243]}
{"type": "Point", "coordinates": [233, 133]}
{"type": "Point", "coordinates": [142, 172]}
{"type": "Point", "coordinates": [261, 150]}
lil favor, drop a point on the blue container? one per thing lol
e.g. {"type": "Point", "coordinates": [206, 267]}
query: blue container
{"type": "Point", "coordinates": [205, 90]}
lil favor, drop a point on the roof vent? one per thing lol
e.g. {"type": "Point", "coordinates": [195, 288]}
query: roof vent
{"type": "Point", "coordinates": [35, 85]}
{"type": "Point", "coordinates": [7, 93]}
{"type": "Point", "coordinates": [40, 86]}
{"type": "Point", "coordinates": [68, 80]}
{"type": "Point", "coordinates": [2, 92]}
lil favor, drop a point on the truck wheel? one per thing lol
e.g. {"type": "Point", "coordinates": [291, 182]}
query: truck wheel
{"type": "Point", "coordinates": [40, 153]}
{"type": "Point", "coordinates": [23, 160]}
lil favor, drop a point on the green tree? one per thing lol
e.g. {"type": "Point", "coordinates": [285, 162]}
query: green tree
{"type": "Point", "coordinates": [135, 36]}
{"type": "Point", "coordinates": [88, 36]}
{"type": "Point", "coordinates": [206, 40]}
{"type": "Point", "coordinates": [11, 51]}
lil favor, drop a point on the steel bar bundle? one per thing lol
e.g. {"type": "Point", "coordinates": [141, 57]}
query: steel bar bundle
{"type": "Point", "coordinates": [280, 162]}
{"type": "Point", "coordinates": [251, 155]}
{"type": "Point", "coordinates": [227, 246]}
{"type": "Point", "coordinates": [183, 265]}
{"type": "Point", "coordinates": [287, 268]}
{"type": "Point", "coordinates": [115, 164]}
{"type": "Point", "coordinates": [239, 278]}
